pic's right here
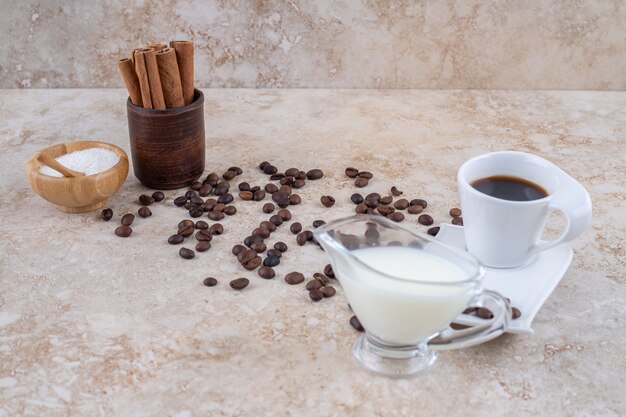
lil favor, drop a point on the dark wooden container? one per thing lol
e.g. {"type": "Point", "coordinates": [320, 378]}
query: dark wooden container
{"type": "Point", "coordinates": [167, 146]}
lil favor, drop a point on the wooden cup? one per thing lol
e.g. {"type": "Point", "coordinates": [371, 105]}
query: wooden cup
{"type": "Point", "coordinates": [167, 146]}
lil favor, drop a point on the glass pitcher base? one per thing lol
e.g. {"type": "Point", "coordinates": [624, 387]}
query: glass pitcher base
{"type": "Point", "coordinates": [393, 362]}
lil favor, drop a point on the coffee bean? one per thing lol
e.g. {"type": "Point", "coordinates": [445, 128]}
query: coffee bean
{"type": "Point", "coordinates": [281, 199]}
{"type": "Point", "coordinates": [361, 182]}
{"type": "Point", "coordinates": [268, 225]}
{"type": "Point", "coordinates": [186, 230]}
{"type": "Point", "coordinates": [210, 282]}
{"type": "Point", "coordinates": [425, 219]}
{"type": "Point", "coordinates": [186, 223]}
{"type": "Point", "coordinates": [298, 183]}
{"type": "Point", "coordinates": [106, 214]}
{"type": "Point", "coordinates": [204, 235]}
{"type": "Point", "coordinates": [258, 195]}
{"type": "Point", "coordinates": [216, 229]}
{"type": "Point", "coordinates": [237, 249]}
{"type": "Point", "coordinates": [287, 180]}
{"type": "Point", "coordinates": [294, 278]}
{"type": "Point", "coordinates": [285, 189]}
{"type": "Point", "coordinates": [263, 164]}
{"type": "Point", "coordinates": [219, 207]}
{"type": "Point", "coordinates": [196, 212]}
{"type": "Point", "coordinates": [302, 238]}
{"type": "Point", "coordinates": [416, 209]}
{"type": "Point", "coordinates": [361, 208]}
{"type": "Point", "coordinates": [195, 185]}
{"type": "Point", "coordinates": [354, 322]}
{"type": "Point", "coordinates": [270, 169]}
{"type": "Point", "coordinates": [196, 200]}
{"type": "Point", "coordinates": [244, 186]}
{"type": "Point", "coordinates": [221, 188]}
{"type": "Point", "coordinates": [276, 219]}
{"type": "Point", "coordinates": [457, 221]}
{"type": "Point", "coordinates": [277, 177]}
{"type": "Point", "coordinates": [144, 212]}
{"type": "Point", "coordinates": [323, 279]}
{"type": "Point", "coordinates": [158, 196]}
{"type": "Point", "coordinates": [190, 194]}
{"type": "Point", "coordinates": [455, 212]}
{"type": "Point", "coordinates": [268, 208]}
{"type": "Point", "coordinates": [274, 252]}
{"type": "Point", "coordinates": [266, 272]}
{"type": "Point", "coordinates": [230, 210]}
{"type": "Point", "coordinates": [327, 201]}
{"type": "Point", "coordinates": [245, 255]}
{"type": "Point", "coordinates": [284, 214]}
{"type": "Point", "coordinates": [229, 175]}
{"type": "Point", "coordinates": [294, 199]}
{"type": "Point", "coordinates": [201, 225]}
{"type": "Point", "coordinates": [216, 215]}
{"type": "Point", "coordinates": [356, 198]}
{"type": "Point", "coordinates": [175, 239]}
{"type": "Point", "coordinates": [145, 200]}
{"type": "Point", "coordinates": [213, 178]}
{"type": "Point", "coordinates": [295, 228]}
{"type": "Point", "coordinates": [372, 200]}
{"type": "Point", "coordinates": [253, 263]}
{"type": "Point", "coordinates": [186, 253]}
{"type": "Point", "coordinates": [123, 231]}
{"type": "Point", "coordinates": [395, 191]}
{"type": "Point", "coordinates": [328, 291]}
{"type": "Point", "coordinates": [248, 241]}
{"type": "Point", "coordinates": [292, 172]}
{"type": "Point", "coordinates": [396, 217]}
{"type": "Point", "coordinates": [328, 271]}
{"type": "Point", "coordinates": [128, 219]}
{"type": "Point", "coordinates": [351, 172]}
{"type": "Point", "coordinates": [300, 175]}
{"type": "Point", "coordinates": [239, 283]}
{"type": "Point", "coordinates": [484, 313]}
{"type": "Point", "coordinates": [316, 295]}
{"type": "Point", "coordinates": [385, 210]}
{"type": "Point", "coordinates": [313, 285]}
{"type": "Point", "coordinates": [314, 174]}
{"type": "Point", "coordinates": [188, 205]}
{"type": "Point", "coordinates": [365, 174]}
{"type": "Point", "coordinates": [270, 188]}
{"type": "Point", "coordinates": [281, 246]}
{"type": "Point", "coordinates": [226, 198]}
{"type": "Point", "coordinates": [203, 246]}
{"type": "Point", "coordinates": [262, 232]}
{"type": "Point", "coordinates": [433, 231]}
{"type": "Point", "coordinates": [238, 171]}
{"type": "Point", "coordinates": [419, 202]}
{"type": "Point", "coordinates": [258, 247]}
{"type": "Point", "coordinates": [318, 223]}
{"type": "Point", "coordinates": [401, 204]}
{"type": "Point", "coordinates": [386, 200]}
{"type": "Point", "coordinates": [515, 313]}
{"type": "Point", "coordinates": [205, 190]}
{"type": "Point", "coordinates": [246, 195]}
{"type": "Point", "coordinates": [209, 204]}
{"type": "Point", "coordinates": [271, 261]}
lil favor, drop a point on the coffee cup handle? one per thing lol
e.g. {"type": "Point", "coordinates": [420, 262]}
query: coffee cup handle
{"type": "Point", "coordinates": [449, 338]}
{"type": "Point", "coordinates": [574, 202]}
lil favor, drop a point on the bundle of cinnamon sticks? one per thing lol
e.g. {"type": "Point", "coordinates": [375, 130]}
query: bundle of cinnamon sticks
{"type": "Point", "coordinates": [158, 76]}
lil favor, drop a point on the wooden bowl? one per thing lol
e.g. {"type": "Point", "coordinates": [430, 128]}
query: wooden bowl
{"type": "Point", "coordinates": [79, 194]}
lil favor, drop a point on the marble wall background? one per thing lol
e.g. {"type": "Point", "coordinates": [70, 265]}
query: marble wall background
{"type": "Point", "coordinates": [533, 44]}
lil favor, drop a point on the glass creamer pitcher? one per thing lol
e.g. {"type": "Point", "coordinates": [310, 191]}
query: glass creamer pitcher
{"type": "Point", "coordinates": [406, 288]}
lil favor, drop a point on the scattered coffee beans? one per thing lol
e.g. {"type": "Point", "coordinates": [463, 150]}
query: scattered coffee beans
{"type": "Point", "coordinates": [145, 200]}
{"type": "Point", "coordinates": [144, 212]}
{"type": "Point", "coordinates": [314, 174]}
{"type": "Point", "coordinates": [281, 246]}
{"type": "Point", "coordinates": [204, 236]}
{"type": "Point", "coordinates": [210, 282]}
{"type": "Point", "coordinates": [295, 228]}
{"type": "Point", "coordinates": [457, 221]}
{"type": "Point", "coordinates": [419, 202]}
{"type": "Point", "coordinates": [395, 191]}
{"type": "Point", "coordinates": [274, 252]}
{"type": "Point", "coordinates": [328, 271]}
{"type": "Point", "coordinates": [356, 198]}
{"type": "Point", "coordinates": [216, 229]}
{"type": "Point", "coordinates": [239, 283]}
{"type": "Point", "coordinates": [203, 246]}
{"type": "Point", "coordinates": [237, 249]}
{"type": "Point", "coordinates": [316, 295]}
{"type": "Point", "coordinates": [216, 215]}
{"type": "Point", "coordinates": [515, 313]}
{"type": "Point", "coordinates": [271, 261]}
{"type": "Point", "coordinates": [352, 172]}
{"type": "Point", "coordinates": [128, 219]}
{"type": "Point", "coordinates": [396, 216]}
{"type": "Point", "coordinates": [323, 279]}
{"type": "Point", "coordinates": [246, 195]}
{"type": "Point", "coordinates": [361, 182]}
{"type": "Point", "coordinates": [294, 199]}
{"type": "Point", "coordinates": [180, 201]}
{"type": "Point", "coordinates": [386, 200]}
{"type": "Point", "coordinates": [294, 278]}
{"type": "Point", "coordinates": [354, 322]}
{"type": "Point", "coordinates": [327, 201]}
{"type": "Point", "coordinates": [401, 204]}
{"type": "Point", "coordinates": [268, 208]}
{"type": "Point", "coordinates": [416, 209]}
{"type": "Point", "coordinates": [266, 272]}
{"type": "Point", "coordinates": [318, 223]}
{"type": "Point", "coordinates": [175, 239]}
{"type": "Point", "coordinates": [284, 214]}
{"type": "Point", "coordinates": [186, 253]}
{"type": "Point", "coordinates": [455, 212]}
{"type": "Point", "coordinates": [106, 214]}
{"type": "Point", "coordinates": [433, 231]}
{"type": "Point", "coordinates": [123, 231]}
{"type": "Point", "coordinates": [258, 247]}
{"type": "Point", "coordinates": [313, 285]}
{"type": "Point", "coordinates": [425, 219]}
{"type": "Point", "coordinates": [201, 225]}
{"type": "Point", "coordinates": [328, 291]}
{"type": "Point", "coordinates": [158, 196]}
{"type": "Point", "coordinates": [268, 225]}
{"type": "Point", "coordinates": [365, 174]}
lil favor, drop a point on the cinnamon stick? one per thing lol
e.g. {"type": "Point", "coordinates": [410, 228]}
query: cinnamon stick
{"type": "Point", "coordinates": [170, 78]}
{"type": "Point", "coordinates": [157, 46]}
{"type": "Point", "coordinates": [184, 56]}
{"type": "Point", "coordinates": [142, 76]}
{"type": "Point", "coordinates": [156, 91]}
{"type": "Point", "coordinates": [129, 76]}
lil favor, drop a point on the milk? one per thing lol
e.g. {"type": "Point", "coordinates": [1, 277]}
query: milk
{"type": "Point", "coordinates": [403, 311]}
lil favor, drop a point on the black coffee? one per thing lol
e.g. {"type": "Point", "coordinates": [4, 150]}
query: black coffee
{"type": "Point", "coordinates": [509, 188]}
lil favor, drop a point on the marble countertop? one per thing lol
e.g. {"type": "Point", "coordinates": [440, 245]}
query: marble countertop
{"type": "Point", "coordinates": [96, 325]}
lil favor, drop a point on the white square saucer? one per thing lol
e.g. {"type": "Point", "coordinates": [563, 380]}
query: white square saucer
{"type": "Point", "coordinates": [528, 287]}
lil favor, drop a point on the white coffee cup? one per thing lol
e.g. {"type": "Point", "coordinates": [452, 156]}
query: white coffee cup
{"type": "Point", "coordinates": [504, 233]}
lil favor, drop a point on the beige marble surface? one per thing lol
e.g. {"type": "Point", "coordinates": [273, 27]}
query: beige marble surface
{"type": "Point", "coordinates": [95, 325]}
{"type": "Point", "coordinates": [497, 44]}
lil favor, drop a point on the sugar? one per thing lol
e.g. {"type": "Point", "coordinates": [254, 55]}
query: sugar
{"type": "Point", "coordinates": [90, 161]}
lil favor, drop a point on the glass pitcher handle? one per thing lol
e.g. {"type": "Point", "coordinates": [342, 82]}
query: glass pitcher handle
{"type": "Point", "coordinates": [456, 339]}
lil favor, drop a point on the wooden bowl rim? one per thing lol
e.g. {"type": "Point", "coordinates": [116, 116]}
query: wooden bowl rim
{"type": "Point", "coordinates": [35, 165]}
{"type": "Point", "coordinates": [198, 102]}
